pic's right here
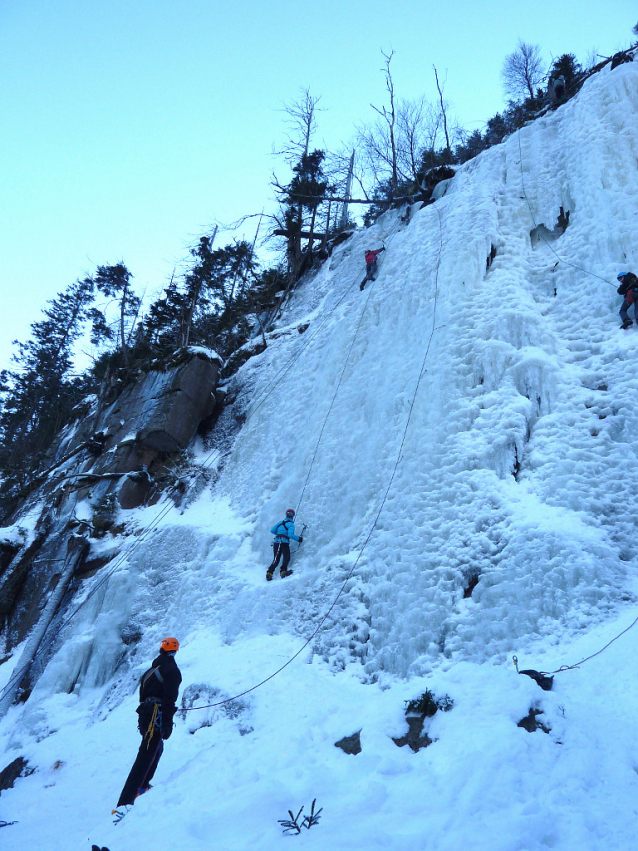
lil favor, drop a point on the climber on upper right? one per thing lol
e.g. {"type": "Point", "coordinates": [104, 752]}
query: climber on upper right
{"type": "Point", "coordinates": [629, 289]}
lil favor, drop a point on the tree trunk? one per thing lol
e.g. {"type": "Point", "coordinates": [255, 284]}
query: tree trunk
{"type": "Point", "coordinates": [122, 314]}
{"type": "Point", "coordinates": [443, 111]}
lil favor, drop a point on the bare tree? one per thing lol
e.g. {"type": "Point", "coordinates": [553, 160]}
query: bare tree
{"type": "Point", "coordinates": [523, 70]}
{"type": "Point", "coordinates": [301, 125]}
{"type": "Point", "coordinates": [443, 109]}
{"type": "Point", "coordinates": [388, 115]}
{"type": "Point", "coordinates": [418, 127]}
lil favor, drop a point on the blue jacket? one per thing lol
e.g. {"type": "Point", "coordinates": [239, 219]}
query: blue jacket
{"type": "Point", "coordinates": [284, 531]}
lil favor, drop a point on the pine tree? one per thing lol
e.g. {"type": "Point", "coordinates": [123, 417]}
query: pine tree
{"type": "Point", "coordinates": [568, 66]}
{"type": "Point", "coordinates": [114, 282]}
{"type": "Point", "coordinates": [301, 200]}
{"type": "Point", "coordinates": [39, 394]}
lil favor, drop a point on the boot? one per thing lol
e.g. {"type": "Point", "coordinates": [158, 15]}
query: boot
{"type": "Point", "coordinates": [285, 573]}
{"type": "Point", "coordinates": [120, 812]}
{"type": "Point", "coordinates": [627, 324]}
{"type": "Point", "coordinates": [269, 575]}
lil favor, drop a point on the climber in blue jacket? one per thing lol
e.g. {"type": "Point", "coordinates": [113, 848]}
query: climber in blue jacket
{"type": "Point", "coordinates": [283, 532]}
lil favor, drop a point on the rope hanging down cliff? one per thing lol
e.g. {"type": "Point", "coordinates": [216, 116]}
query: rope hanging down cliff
{"type": "Point", "coordinates": [422, 371]}
{"type": "Point", "coordinates": [542, 236]}
{"type": "Point", "coordinates": [334, 396]}
{"type": "Point", "coordinates": [56, 628]}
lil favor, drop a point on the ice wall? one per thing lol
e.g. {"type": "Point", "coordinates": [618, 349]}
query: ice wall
{"type": "Point", "coordinates": [518, 463]}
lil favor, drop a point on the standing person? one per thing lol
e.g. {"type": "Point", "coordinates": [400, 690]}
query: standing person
{"type": "Point", "coordinates": [559, 87]}
{"type": "Point", "coordinates": [159, 687]}
{"type": "Point", "coordinates": [556, 89]}
{"type": "Point", "coordinates": [283, 532]}
{"type": "Point", "coordinates": [371, 266]}
{"type": "Point", "coordinates": [629, 288]}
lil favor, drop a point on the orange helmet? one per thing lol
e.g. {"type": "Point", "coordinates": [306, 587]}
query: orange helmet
{"type": "Point", "coordinates": [170, 645]}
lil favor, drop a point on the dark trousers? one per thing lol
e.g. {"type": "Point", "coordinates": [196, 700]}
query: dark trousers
{"type": "Point", "coordinates": [280, 550]}
{"type": "Point", "coordinates": [625, 306]}
{"type": "Point", "coordinates": [371, 273]}
{"type": "Point", "coordinates": [147, 756]}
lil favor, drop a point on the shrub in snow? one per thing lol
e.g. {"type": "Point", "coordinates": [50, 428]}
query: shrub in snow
{"type": "Point", "coordinates": [293, 825]}
{"type": "Point", "coordinates": [428, 704]}
{"type": "Point", "coordinates": [104, 514]}
{"type": "Point", "coordinates": [416, 711]}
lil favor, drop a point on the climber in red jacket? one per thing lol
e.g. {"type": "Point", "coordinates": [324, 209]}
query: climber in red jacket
{"type": "Point", "coordinates": [371, 266]}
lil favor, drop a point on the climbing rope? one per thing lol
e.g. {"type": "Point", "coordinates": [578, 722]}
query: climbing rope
{"type": "Point", "coordinates": [334, 396]}
{"type": "Point", "coordinates": [546, 241]}
{"type": "Point", "coordinates": [592, 656]}
{"type": "Point", "coordinates": [332, 401]}
{"type": "Point", "coordinates": [600, 278]}
{"type": "Point", "coordinates": [377, 516]}
{"type": "Point", "coordinates": [213, 456]}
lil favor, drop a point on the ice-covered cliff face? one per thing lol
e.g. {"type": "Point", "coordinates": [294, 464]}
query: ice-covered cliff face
{"type": "Point", "coordinates": [517, 468]}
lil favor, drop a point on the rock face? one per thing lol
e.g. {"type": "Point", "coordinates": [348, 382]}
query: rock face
{"type": "Point", "coordinates": [121, 451]}
{"type": "Point", "coordinates": [151, 419]}
{"type": "Point", "coordinates": [165, 409]}
{"type": "Point", "coordinates": [416, 738]}
{"type": "Point", "coordinates": [18, 768]}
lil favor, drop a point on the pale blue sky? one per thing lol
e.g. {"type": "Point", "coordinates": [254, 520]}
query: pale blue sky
{"type": "Point", "coordinates": [128, 126]}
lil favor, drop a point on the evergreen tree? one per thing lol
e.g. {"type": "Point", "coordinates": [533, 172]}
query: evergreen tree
{"type": "Point", "coordinates": [301, 199]}
{"type": "Point", "coordinates": [114, 282]}
{"type": "Point", "coordinates": [571, 70]}
{"type": "Point", "coordinates": [228, 274]}
{"type": "Point", "coordinates": [471, 147]}
{"type": "Point", "coordinates": [162, 327]}
{"type": "Point", "coordinates": [39, 394]}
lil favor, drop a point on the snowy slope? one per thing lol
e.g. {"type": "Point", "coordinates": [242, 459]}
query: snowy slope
{"type": "Point", "coordinates": [515, 468]}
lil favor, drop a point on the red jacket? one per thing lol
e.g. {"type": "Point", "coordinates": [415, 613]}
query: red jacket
{"type": "Point", "coordinates": [371, 256]}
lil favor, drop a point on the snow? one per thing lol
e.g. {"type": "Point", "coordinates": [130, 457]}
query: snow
{"type": "Point", "coordinates": [209, 354]}
{"type": "Point", "coordinates": [517, 466]}
{"type": "Point", "coordinates": [22, 532]}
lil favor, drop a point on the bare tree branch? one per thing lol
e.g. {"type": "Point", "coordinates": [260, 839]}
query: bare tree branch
{"type": "Point", "coordinates": [302, 125]}
{"type": "Point", "coordinates": [443, 109]}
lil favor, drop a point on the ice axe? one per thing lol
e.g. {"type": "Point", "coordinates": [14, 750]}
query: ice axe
{"type": "Point", "coordinates": [303, 529]}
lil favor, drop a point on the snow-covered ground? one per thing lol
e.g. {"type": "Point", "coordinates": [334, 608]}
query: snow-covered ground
{"type": "Point", "coordinates": [516, 468]}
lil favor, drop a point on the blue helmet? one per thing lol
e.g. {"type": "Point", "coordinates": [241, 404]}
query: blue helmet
{"type": "Point", "coordinates": [621, 276]}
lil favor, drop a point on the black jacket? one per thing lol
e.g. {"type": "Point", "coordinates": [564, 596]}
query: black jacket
{"type": "Point", "coordinates": [630, 283]}
{"type": "Point", "coordinates": [162, 680]}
